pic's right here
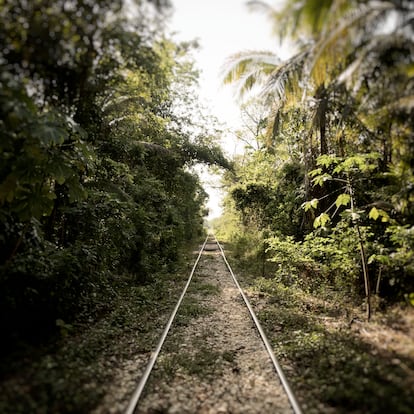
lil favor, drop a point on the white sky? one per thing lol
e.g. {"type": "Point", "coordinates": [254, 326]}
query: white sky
{"type": "Point", "coordinates": [222, 27]}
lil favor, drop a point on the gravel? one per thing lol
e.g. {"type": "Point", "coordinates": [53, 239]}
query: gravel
{"type": "Point", "coordinates": [213, 360]}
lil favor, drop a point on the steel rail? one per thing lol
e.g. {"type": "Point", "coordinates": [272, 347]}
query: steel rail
{"type": "Point", "coordinates": [138, 391]}
{"type": "Point", "coordinates": [291, 396]}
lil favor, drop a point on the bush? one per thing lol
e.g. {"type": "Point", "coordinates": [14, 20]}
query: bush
{"type": "Point", "coordinates": [319, 260]}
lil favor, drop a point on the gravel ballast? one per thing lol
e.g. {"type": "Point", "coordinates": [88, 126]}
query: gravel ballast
{"type": "Point", "coordinates": [213, 360]}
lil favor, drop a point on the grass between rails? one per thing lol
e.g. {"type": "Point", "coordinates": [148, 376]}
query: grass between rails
{"type": "Point", "coordinates": [204, 362]}
{"type": "Point", "coordinates": [197, 358]}
{"type": "Point", "coordinates": [71, 373]}
{"type": "Point", "coordinates": [335, 361]}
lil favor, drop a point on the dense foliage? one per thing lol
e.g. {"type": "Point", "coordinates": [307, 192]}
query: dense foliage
{"type": "Point", "coordinates": [96, 149]}
{"type": "Point", "coordinates": [324, 188]}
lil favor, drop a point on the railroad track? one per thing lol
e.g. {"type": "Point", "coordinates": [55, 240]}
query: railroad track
{"type": "Point", "coordinates": [251, 379]}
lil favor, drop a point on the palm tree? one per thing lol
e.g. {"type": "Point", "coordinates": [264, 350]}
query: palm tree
{"type": "Point", "coordinates": [341, 35]}
{"type": "Point", "coordinates": [352, 77]}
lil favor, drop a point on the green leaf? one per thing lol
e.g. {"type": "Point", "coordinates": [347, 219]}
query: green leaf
{"type": "Point", "coordinates": [326, 160]}
{"type": "Point", "coordinates": [76, 191]}
{"type": "Point", "coordinates": [372, 259]}
{"type": "Point", "coordinates": [343, 200]}
{"type": "Point", "coordinates": [314, 203]}
{"type": "Point", "coordinates": [321, 220]}
{"type": "Point", "coordinates": [310, 204]}
{"type": "Point", "coordinates": [357, 161]}
{"type": "Point", "coordinates": [360, 162]}
{"type": "Point", "coordinates": [320, 179]}
{"type": "Point", "coordinates": [314, 172]}
{"type": "Point", "coordinates": [380, 258]}
{"type": "Point", "coordinates": [50, 133]}
{"type": "Point", "coordinates": [374, 213]}
{"type": "Point", "coordinates": [60, 172]}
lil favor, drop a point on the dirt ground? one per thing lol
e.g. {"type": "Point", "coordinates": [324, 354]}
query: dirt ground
{"type": "Point", "coordinates": [213, 360]}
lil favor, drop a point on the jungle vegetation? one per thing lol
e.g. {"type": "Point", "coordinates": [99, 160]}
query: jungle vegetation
{"type": "Point", "coordinates": [99, 130]}
{"type": "Point", "coordinates": [324, 188]}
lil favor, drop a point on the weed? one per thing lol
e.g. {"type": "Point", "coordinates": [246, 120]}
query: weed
{"type": "Point", "coordinates": [203, 289]}
{"type": "Point", "coordinates": [190, 309]}
{"type": "Point", "coordinates": [331, 367]}
{"type": "Point", "coordinates": [229, 356]}
{"type": "Point", "coordinates": [70, 374]}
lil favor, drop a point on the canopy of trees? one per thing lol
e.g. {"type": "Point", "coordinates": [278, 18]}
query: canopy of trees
{"type": "Point", "coordinates": [327, 176]}
{"type": "Point", "coordinates": [97, 137]}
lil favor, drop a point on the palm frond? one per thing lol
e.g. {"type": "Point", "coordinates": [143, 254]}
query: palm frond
{"type": "Point", "coordinates": [247, 69]}
{"type": "Point", "coordinates": [287, 74]}
{"type": "Point", "coordinates": [371, 55]}
{"type": "Point", "coordinates": [240, 63]}
{"type": "Point", "coordinates": [366, 13]}
{"type": "Point", "coordinates": [303, 17]}
{"type": "Point", "coordinates": [122, 101]}
{"type": "Point", "coordinates": [261, 6]}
